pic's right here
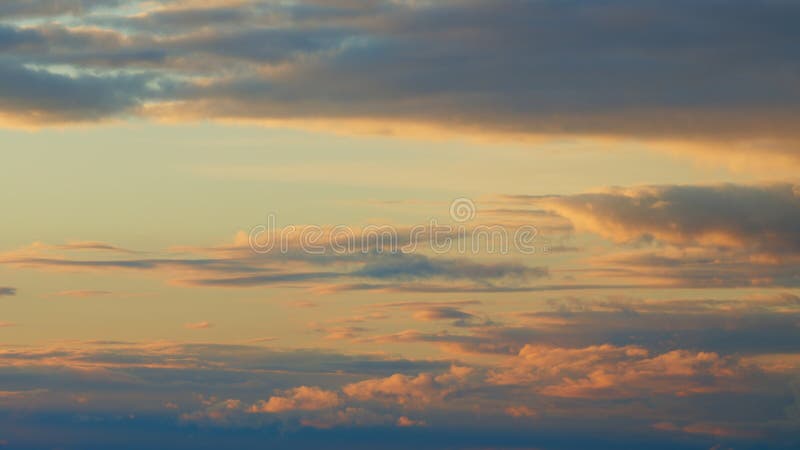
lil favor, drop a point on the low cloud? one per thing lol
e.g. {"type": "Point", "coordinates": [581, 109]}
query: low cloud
{"type": "Point", "coordinates": [412, 391]}
{"type": "Point", "coordinates": [303, 398]}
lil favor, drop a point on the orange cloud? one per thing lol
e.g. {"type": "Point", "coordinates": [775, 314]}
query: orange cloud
{"type": "Point", "coordinates": [520, 411]}
{"type": "Point", "coordinates": [404, 421]}
{"type": "Point", "coordinates": [303, 398]}
{"type": "Point", "coordinates": [82, 293]}
{"type": "Point", "coordinates": [408, 390]}
{"type": "Point", "coordinates": [630, 371]}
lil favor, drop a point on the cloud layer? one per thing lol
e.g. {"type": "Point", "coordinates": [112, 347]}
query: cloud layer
{"type": "Point", "coordinates": [719, 71]}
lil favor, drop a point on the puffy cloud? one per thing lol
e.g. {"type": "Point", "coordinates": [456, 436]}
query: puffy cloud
{"type": "Point", "coordinates": [620, 372]}
{"type": "Point", "coordinates": [157, 383]}
{"type": "Point", "coordinates": [404, 421]}
{"type": "Point", "coordinates": [520, 411]}
{"type": "Point", "coordinates": [414, 391]}
{"type": "Point", "coordinates": [303, 398]}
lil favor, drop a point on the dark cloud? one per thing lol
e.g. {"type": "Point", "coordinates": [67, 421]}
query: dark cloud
{"type": "Point", "coordinates": [726, 235]}
{"type": "Point", "coordinates": [654, 68]}
{"type": "Point", "coordinates": [7, 291]}
{"type": "Point", "coordinates": [45, 8]}
{"type": "Point", "coordinates": [398, 267]}
{"type": "Point", "coordinates": [44, 96]}
{"type": "Point", "coordinates": [762, 325]}
{"type": "Point", "coordinates": [761, 218]}
{"type": "Point", "coordinates": [241, 267]}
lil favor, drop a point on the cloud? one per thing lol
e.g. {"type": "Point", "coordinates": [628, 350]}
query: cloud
{"type": "Point", "coordinates": [218, 389]}
{"type": "Point", "coordinates": [432, 312]}
{"type": "Point", "coordinates": [621, 372]}
{"type": "Point", "coordinates": [396, 267]}
{"type": "Point", "coordinates": [699, 236]}
{"type": "Point", "coordinates": [198, 325]}
{"type": "Point", "coordinates": [303, 398]}
{"type": "Point", "coordinates": [761, 218]}
{"type": "Point", "coordinates": [45, 8]}
{"type": "Point", "coordinates": [413, 391]}
{"type": "Point", "coordinates": [441, 313]}
{"type": "Point", "coordinates": [239, 266]}
{"type": "Point", "coordinates": [404, 421]}
{"type": "Point", "coordinates": [746, 326]}
{"type": "Point", "coordinates": [82, 293]}
{"type": "Point", "coordinates": [704, 428]}
{"type": "Point", "coordinates": [614, 68]}
{"type": "Point", "coordinates": [520, 411]}
{"type": "Point", "coordinates": [40, 96]}
{"type": "Point", "coordinates": [7, 291]}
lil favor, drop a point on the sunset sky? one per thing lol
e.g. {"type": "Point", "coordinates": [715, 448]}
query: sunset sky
{"type": "Point", "coordinates": [150, 151]}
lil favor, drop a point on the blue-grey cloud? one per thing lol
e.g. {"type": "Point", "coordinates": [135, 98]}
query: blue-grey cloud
{"type": "Point", "coordinates": [38, 94]}
{"type": "Point", "coordinates": [398, 267]}
{"type": "Point", "coordinates": [101, 395]}
{"type": "Point", "coordinates": [654, 68]}
{"type": "Point", "coordinates": [48, 8]}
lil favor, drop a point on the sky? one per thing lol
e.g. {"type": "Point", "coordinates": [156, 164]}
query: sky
{"type": "Point", "coordinates": [394, 224]}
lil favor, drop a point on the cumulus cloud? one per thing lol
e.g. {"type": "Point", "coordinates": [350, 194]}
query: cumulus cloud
{"type": "Point", "coordinates": [520, 411]}
{"type": "Point", "coordinates": [219, 388]}
{"type": "Point", "coordinates": [610, 371]}
{"type": "Point", "coordinates": [404, 421]}
{"type": "Point", "coordinates": [303, 398]}
{"type": "Point", "coordinates": [409, 390]}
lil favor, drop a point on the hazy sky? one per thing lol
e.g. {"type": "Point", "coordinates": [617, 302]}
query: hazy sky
{"type": "Point", "coordinates": [150, 150]}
